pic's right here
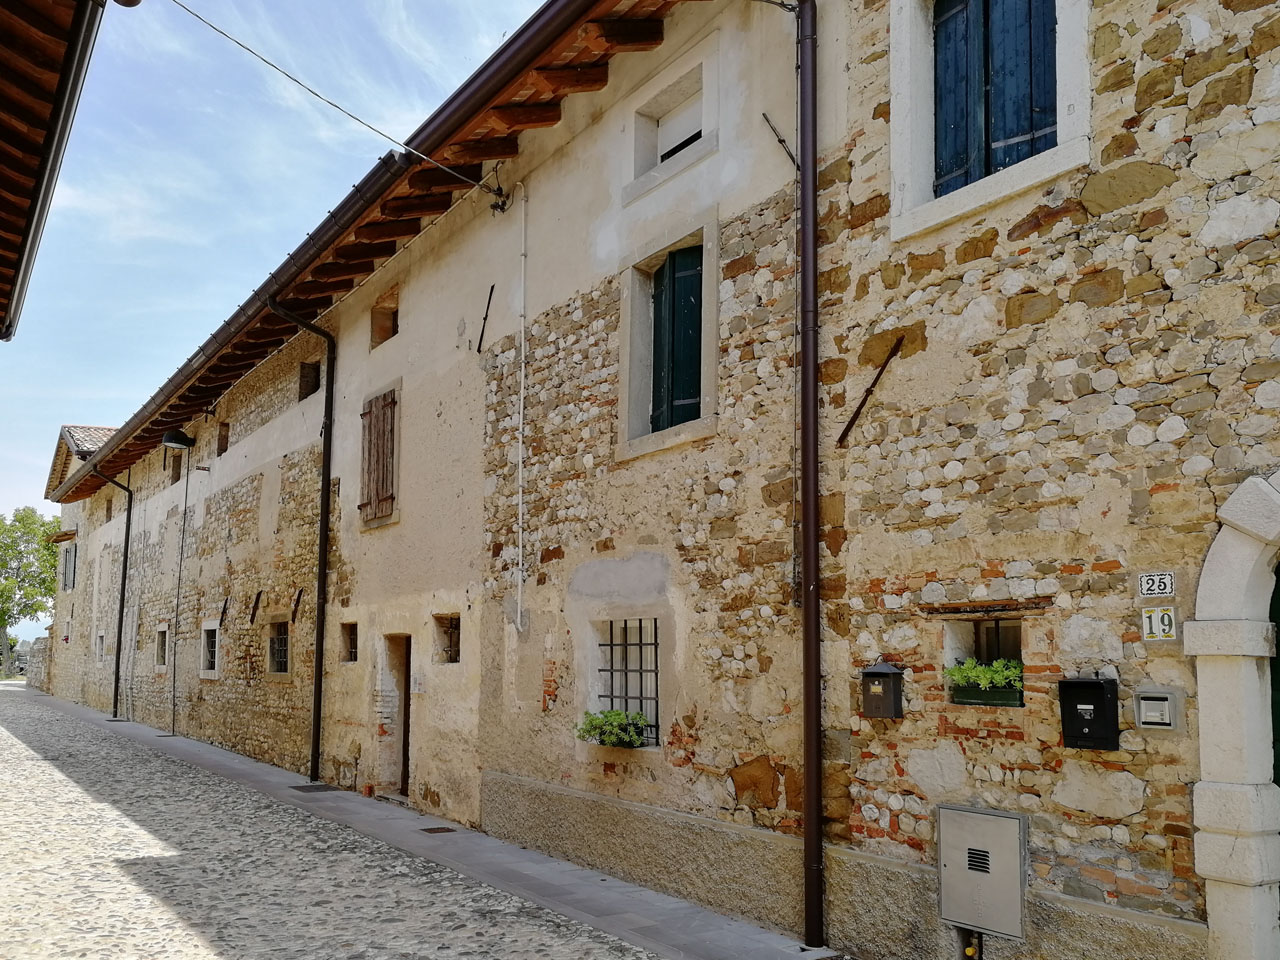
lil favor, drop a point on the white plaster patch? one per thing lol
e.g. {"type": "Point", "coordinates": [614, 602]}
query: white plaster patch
{"type": "Point", "coordinates": [939, 771]}
{"type": "Point", "coordinates": [1084, 638]}
{"type": "Point", "coordinates": [1238, 219]}
{"type": "Point", "coordinates": [1103, 793]}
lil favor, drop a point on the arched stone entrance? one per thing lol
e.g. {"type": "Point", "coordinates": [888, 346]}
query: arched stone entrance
{"type": "Point", "coordinates": [1237, 804]}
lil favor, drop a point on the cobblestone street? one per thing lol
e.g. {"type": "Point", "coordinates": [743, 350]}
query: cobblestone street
{"type": "Point", "coordinates": [115, 851]}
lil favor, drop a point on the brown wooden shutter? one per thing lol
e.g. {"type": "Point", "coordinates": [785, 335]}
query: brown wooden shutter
{"type": "Point", "coordinates": [378, 457]}
{"type": "Point", "coordinates": [386, 502]}
{"type": "Point", "coordinates": [367, 460]}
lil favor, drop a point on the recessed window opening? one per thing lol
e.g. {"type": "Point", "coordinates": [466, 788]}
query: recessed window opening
{"type": "Point", "coordinates": [209, 649]}
{"type": "Point", "coordinates": [997, 640]}
{"type": "Point", "coordinates": [670, 122]}
{"type": "Point", "coordinates": [69, 566]}
{"type": "Point", "coordinates": [224, 437]}
{"type": "Point", "coordinates": [162, 647]}
{"type": "Point", "coordinates": [100, 647]}
{"type": "Point", "coordinates": [350, 650]}
{"type": "Point", "coordinates": [448, 638]}
{"type": "Point", "coordinates": [175, 467]}
{"type": "Point", "coordinates": [629, 671]}
{"type": "Point", "coordinates": [384, 318]}
{"type": "Point", "coordinates": [110, 509]}
{"type": "Point", "coordinates": [278, 647]}
{"type": "Point", "coordinates": [308, 379]}
{"type": "Point", "coordinates": [983, 661]}
{"type": "Point", "coordinates": [677, 340]}
{"type": "Point", "coordinates": [995, 87]}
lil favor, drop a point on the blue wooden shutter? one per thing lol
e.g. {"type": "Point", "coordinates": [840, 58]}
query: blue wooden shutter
{"type": "Point", "coordinates": [959, 102]}
{"type": "Point", "coordinates": [1009, 94]}
{"type": "Point", "coordinates": [677, 340]}
{"type": "Point", "coordinates": [1044, 75]}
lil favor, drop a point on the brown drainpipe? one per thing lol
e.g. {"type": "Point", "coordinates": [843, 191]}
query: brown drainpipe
{"type": "Point", "coordinates": [326, 509]}
{"type": "Point", "coordinates": [814, 880]}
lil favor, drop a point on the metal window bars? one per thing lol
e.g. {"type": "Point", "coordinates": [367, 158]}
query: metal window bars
{"type": "Point", "coordinates": [629, 675]}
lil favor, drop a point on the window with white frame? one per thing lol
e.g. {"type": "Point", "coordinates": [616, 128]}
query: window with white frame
{"type": "Point", "coordinates": [210, 654]}
{"type": "Point", "coordinates": [162, 645]}
{"type": "Point", "coordinates": [670, 345]}
{"type": "Point", "coordinates": [989, 97]}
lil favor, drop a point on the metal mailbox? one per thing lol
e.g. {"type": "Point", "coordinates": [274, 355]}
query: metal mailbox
{"type": "Point", "coordinates": [1090, 713]}
{"type": "Point", "coordinates": [882, 691]}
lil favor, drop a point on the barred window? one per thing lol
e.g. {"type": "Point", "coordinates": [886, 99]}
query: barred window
{"type": "Point", "coordinates": [448, 638]}
{"type": "Point", "coordinates": [209, 652]}
{"type": "Point", "coordinates": [278, 647]}
{"type": "Point", "coordinates": [629, 671]}
{"type": "Point", "coordinates": [350, 651]}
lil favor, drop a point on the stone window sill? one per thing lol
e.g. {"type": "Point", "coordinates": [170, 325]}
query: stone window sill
{"type": "Point", "coordinates": [367, 525]}
{"type": "Point", "coordinates": [650, 757]}
{"type": "Point", "coordinates": [652, 179]}
{"type": "Point", "coordinates": [698, 429]}
{"type": "Point", "coordinates": [160, 668]}
{"type": "Point", "coordinates": [208, 674]}
{"type": "Point", "coordinates": [1021, 177]}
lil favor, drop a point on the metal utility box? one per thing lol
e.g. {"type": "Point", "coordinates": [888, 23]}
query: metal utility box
{"type": "Point", "coordinates": [1158, 708]}
{"type": "Point", "coordinates": [982, 868]}
{"type": "Point", "coordinates": [1090, 713]}
{"type": "Point", "coordinates": [882, 691]}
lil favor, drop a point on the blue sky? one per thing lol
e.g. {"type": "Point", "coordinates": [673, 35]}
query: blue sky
{"type": "Point", "coordinates": [191, 171]}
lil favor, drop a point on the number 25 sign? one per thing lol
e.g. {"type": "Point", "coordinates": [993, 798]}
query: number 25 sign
{"type": "Point", "coordinates": [1158, 624]}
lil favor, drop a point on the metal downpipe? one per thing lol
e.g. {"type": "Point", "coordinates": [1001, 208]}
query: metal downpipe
{"type": "Point", "coordinates": [124, 579]}
{"type": "Point", "coordinates": [814, 880]}
{"type": "Point", "coordinates": [326, 505]}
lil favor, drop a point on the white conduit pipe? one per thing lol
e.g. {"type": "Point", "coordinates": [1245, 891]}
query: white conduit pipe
{"type": "Point", "coordinates": [524, 274]}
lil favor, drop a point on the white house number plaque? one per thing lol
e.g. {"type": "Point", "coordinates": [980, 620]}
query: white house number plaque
{"type": "Point", "coordinates": [1158, 624]}
{"type": "Point", "coordinates": [1155, 585]}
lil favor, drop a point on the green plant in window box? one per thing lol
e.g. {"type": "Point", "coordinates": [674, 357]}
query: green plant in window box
{"type": "Point", "coordinates": [613, 728]}
{"type": "Point", "coordinates": [997, 684]}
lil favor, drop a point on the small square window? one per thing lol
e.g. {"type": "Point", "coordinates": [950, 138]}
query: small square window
{"type": "Point", "coordinates": [670, 122]}
{"type": "Point", "coordinates": [350, 651]}
{"type": "Point", "coordinates": [278, 647]}
{"type": "Point", "coordinates": [209, 650]}
{"type": "Point", "coordinates": [308, 379]}
{"type": "Point", "coordinates": [448, 638]}
{"type": "Point", "coordinates": [384, 318]}
{"type": "Point", "coordinates": [224, 437]}
{"type": "Point", "coordinates": [175, 467]}
{"type": "Point", "coordinates": [985, 641]}
{"type": "Point", "coordinates": [162, 647]}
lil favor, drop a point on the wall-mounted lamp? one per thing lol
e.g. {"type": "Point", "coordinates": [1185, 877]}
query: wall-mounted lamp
{"type": "Point", "coordinates": [177, 440]}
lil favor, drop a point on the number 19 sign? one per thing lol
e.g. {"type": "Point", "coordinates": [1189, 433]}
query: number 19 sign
{"type": "Point", "coordinates": [1158, 624]}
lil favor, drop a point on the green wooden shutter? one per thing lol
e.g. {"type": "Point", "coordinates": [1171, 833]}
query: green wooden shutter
{"type": "Point", "coordinates": [677, 340]}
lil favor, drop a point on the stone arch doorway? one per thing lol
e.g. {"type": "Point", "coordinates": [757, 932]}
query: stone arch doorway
{"type": "Point", "coordinates": [1236, 801]}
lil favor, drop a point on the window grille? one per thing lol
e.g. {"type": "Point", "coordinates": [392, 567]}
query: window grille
{"type": "Point", "coordinates": [450, 626]}
{"type": "Point", "coordinates": [629, 675]}
{"type": "Point", "coordinates": [278, 647]}
{"type": "Point", "coordinates": [351, 642]}
{"type": "Point", "coordinates": [162, 647]}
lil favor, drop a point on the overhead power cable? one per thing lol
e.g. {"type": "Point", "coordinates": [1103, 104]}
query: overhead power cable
{"type": "Point", "coordinates": [323, 99]}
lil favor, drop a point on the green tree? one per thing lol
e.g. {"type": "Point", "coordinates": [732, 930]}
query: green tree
{"type": "Point", "coordinates": [28, 572]}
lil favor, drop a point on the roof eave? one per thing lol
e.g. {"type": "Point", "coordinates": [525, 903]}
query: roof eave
{"type": "Point", "coordinates": [76, 67]}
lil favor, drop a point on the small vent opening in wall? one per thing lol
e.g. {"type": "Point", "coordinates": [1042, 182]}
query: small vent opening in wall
{"type": "Point", "coordinates": [979, 860]}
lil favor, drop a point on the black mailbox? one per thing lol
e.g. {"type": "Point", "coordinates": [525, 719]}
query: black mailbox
{"type": "Point", "coordinates": [1090, 713]}
{"type": "Point", "coordinates": [882, 691]}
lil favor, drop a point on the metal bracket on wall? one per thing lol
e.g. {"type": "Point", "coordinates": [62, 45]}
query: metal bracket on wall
{"type": "Point", "coordinates": [844, 434]}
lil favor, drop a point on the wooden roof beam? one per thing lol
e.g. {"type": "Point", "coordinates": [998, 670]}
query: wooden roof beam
{"type": "Point", "coordinates": [517, 117]}
{"type": "Point", "coordinates": [621, 36]}
{"type": "Point", "coordinates": [321, 288]}
{"type": "Point", "coordinates": [36, 21]}
{"type": "Point", "coordinates": [472, 151]}
{"type": "Point", "coordinates": [446, 179]}
{"type": "Point", "coordinates": [417, 205]}
{"type": "Point", "coordinates": [339, 271]}
{"type": "Point", "coordinates": [354, 252]}
{"type": "Point", "coordinates": [390, 229]}
{"type": "Point", "coordinates": [558, 81]}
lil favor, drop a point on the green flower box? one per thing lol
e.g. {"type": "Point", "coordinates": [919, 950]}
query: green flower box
{"type": "Point", "coordinates": [993, 697]}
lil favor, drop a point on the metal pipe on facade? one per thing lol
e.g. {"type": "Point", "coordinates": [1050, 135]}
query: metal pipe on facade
{"type": "Point", "coordinates": [807, 240]}
{"type": "Point", "coordinates": [124, 579]}
{"type": "Point", "coordinates": [326, 507]}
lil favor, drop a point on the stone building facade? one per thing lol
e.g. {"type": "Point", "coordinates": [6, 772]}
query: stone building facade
{"type": "Point", "coordinates": [1079, 387]}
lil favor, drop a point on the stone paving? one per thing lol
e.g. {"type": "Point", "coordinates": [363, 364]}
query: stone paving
{"type": "Point", "coordinates": [115, 851]}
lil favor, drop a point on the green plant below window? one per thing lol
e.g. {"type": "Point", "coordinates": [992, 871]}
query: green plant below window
{"type": "Point", "coordinates": [1000, 674]}
{"type": "Point", "coordinates": [613, 728]}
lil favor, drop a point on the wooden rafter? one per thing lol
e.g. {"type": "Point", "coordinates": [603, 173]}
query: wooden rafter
{"type": "Point", "coordinates": [440, 180]}
{"type": "Point", "coordinates": [418, 205]}
{"type": "Point", "coordinates": [521, 116]}
{"type": "Point", "coordinates": [389, 229]}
